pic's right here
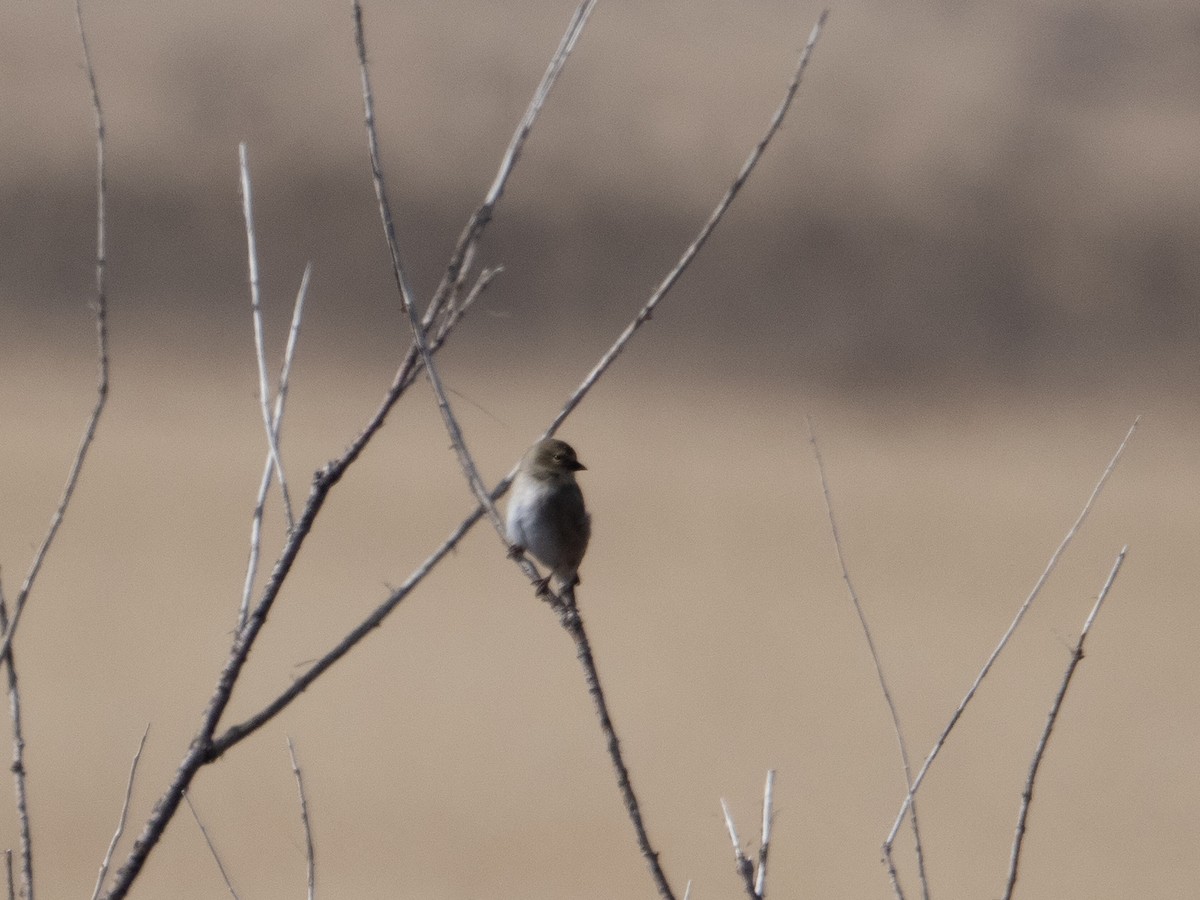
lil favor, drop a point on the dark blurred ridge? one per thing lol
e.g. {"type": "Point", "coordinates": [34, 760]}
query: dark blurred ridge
{"type": "Point", "coordinates": [841, 295]}
{"type": "Point", "coordinates": [996, 194]}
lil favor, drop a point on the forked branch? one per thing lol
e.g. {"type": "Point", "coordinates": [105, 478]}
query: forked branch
{"type": "Point", "coordinates": [1051, 718]}
{"type": "Point", "coordinates": [987, 666]}
{"type": "Point", "coordinates": [206, 745]}
{"type": "Point", "coordinates": [879, 674]}
{"type": "Point", "coordinates": [205, 748]}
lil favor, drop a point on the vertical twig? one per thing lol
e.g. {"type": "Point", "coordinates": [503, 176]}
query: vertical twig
{"type": "Point", "coordinates": [1051, 718]}
{"type": "Point", "coordinates": [112, 845]}
{"type": "Point", "coordinates": [211, 848]}
{"type": "Point", "coordinates": [573, 622]}
{"type": "Point", "coordinates": [264, 485]}
{"type": "Point", "coordinates": [745, 868]}
{"type": "Point", "coordinates": [18, 764]}
{"type": "Point", "coordinates": [754, 883]}
{"type": "Point", "coordinates": [101, 309]}
{"type": "Point", "coordinates": [407, 302]}
{"type": "Point", "coordinates": [987, 666]}
{"type": "Point", "coordinates": [309, 854]}
{"type": "Point", "coordinates": [8, 868]}
{"type": "Point", "coordinates": [760, 879]}
{"type": "Point", "coordinates": [264, 389]}
{"type": "Point", "coordinates": [880, 677]}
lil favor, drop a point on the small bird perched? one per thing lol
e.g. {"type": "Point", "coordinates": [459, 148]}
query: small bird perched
{"type": "Point", "coordinates": [546, 515]}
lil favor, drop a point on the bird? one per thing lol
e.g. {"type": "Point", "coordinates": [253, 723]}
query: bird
{"type": "Point", "coordinates": [546, 512]}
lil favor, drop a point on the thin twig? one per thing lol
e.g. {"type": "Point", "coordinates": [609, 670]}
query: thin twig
{"type": "Point", "coordinates": [941, 740]}
{"type": "Point", "coordinates": [101, 309]}
{"type": "Point", "coordinates": [309, 854]}
{"type": "Point", "coordinates": [334, 471]}
{"type": "Point", "coordinates": [689, 254]}
{"type": "Point", "coordinates": [1051, 718]}
{"type": "Point", "coordinates": [879, 675]}
{"type": "Point", "coordinates": [687, 891]}
{"type": "Point", "coordinates": [260, 352]}
{"type": "Point", "coordinates": [8, 868]}
{"type": "Point", "coordinates": [460, 309]}
{"type": "Point", "coordinates": [745, 868]}
{"type": "Point", "coordinates": [469, 239]}
{"type": "Point", "coordinates": [203, 749]}
{"type": "Point", "coordinates": [20, 795]}
{"type": "Point", "coordinates": [760, 878]}
{"type": "Point", "coordinates": [453, 429]}
{"type": "Point", "coordinates": [211, 848]}
{"type": "Point", "coordinates": [235, 734]}
{"type": "Point", "coordinates": [573, 622]}
{"type": "Point", "coordinates": [112, 845]}
{"type": "Point", "coordinates": [264, 485]}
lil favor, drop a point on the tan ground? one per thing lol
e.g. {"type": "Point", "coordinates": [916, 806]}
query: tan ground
{"type": "Point", "coordinates": [455, 754]}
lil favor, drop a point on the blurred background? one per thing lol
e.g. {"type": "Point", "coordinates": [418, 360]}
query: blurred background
{"type": "Point", "coordinates": [969, 256]}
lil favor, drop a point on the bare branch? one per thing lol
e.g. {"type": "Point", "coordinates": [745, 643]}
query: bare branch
{"type": "Point", "coordinates": [264, 485]}
{"type": "Point", "coordinates": [459, 310]}
{"type": "Point", "coordinates": [234, 734]}
{"type": "Point", "coordinates": [466, 461]}
{"type": "Point", "coordinates": [112, 845]}
{"type": "Point", "coordinates": [260, 352]}
{"type": "Point", "coordinates": [745, 869]}
{"type": "Point", "coordinates": [211, 849]}
{"type": "Point", "coordinates": [880, 677]}
{"type": "Point", "coordinates": [464, 251]}
{"type": "Point", "coordinates": [309, 854]}
{"type": "Point", "coordinates": [334, 471]}
{"type": "Point", "coordinates": [566, 605]}
{"type": "Point", "coordinates": [760, 879]}
{"type": "Point", "coordinates": [8, 867]}
{"type": "Point", "coordinates": [469, 239]}
{"type": "Point", "coordinates": [100, 307]}
{"type": "Point", "coordinates": [198, 751]}
{"type": "Point", "coordinates": [204, 747]}
{"type": "Point", "coordinates": [18, 764]}
{"type": "Point", "coordinates": [574, 625]}
{"type": "Point", "coordinates": [754, 883]}
{"type": "Point", "coordinates": [689, 254]}
{"type": "Point", "coordinates": [1051, 718]}
{"type": "Point", "coordinates": [1087, 507]}
{"type": "Point", "coordinates": [289, 352]}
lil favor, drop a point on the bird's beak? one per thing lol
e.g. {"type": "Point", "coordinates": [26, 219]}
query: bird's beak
{"type": "Point", "coordinates": [578, 466]}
